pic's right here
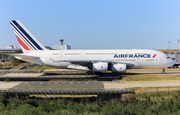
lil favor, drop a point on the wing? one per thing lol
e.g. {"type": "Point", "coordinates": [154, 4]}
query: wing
{"type": "Point", "coordinates": [88, 63]}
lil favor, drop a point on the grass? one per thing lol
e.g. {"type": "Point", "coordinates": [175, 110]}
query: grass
{"type": "Point", "coordinates": [156, 93]}
{"type": "Point", "coordinates": [152, 70]}
{"type": "Point", "coordinates": [167, 50]}
{"type": "Point", "coordinates": [132, 106]}
{"type": "Point", "coordinates": [5, 67]}
{"type": "Point", "coordinates": [154, 89]}
{"type": "Point", "coordinates": [150, 78]}
{"type": "Point", "coordinates": [45, 67]}
{"type": "Point", "coordinates": [8, 65]}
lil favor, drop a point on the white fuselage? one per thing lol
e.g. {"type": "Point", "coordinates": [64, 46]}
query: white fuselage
{"type": "Point", "coordinates": [138, 58]}
{"type": "Point", "coordinates": [91, 60]}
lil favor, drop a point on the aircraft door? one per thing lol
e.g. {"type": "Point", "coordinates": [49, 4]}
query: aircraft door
{"type": "Point", "coordinates": [161, 59]}
{"type": "Point", "coordinates": [82, 54]}
{"type": "Point", "coordinates": [61, 54]}
{"type": "Point", "coordinates": [138, 61]}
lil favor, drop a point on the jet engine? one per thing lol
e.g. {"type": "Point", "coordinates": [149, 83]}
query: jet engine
{"type": "Point", "coordinates": [118, 68]}
{"type": "Point", "coordinates": [100, 67]}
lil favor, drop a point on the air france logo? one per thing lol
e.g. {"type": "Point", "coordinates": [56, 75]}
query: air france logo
{"type": "Point", "coordinates": [134, 55]}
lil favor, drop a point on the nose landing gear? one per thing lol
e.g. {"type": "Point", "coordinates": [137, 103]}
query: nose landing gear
{"type": "Point", "coordinates": [163, 72]}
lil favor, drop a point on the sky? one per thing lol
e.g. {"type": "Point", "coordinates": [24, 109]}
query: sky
{"type": "Point", "coordinates": [94, 24]}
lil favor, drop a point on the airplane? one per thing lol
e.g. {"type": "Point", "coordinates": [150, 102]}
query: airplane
{"type": "Point", "coordinates": [92, 61]}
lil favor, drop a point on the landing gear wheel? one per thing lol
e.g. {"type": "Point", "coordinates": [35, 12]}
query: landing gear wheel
{"type": "Point", "coordinates": [163, 72]}
{"type": "Point", "coordinates": [89, 73]}
{"type": "Point", "coordinates": [98, 73]}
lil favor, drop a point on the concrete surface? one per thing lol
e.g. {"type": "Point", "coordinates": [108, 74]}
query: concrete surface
{"type": "Point", "coordinates": [78, 86]}
{"type": "Point", "coordinates": [23, 75]}
{"type": "Point", "coordinates": [8, 85]}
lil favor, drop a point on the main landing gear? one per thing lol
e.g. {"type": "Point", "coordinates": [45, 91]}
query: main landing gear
{"type": "Point", "coordinates": [163, 72]}
{"type": "Point", "coordinates": [93, 73]}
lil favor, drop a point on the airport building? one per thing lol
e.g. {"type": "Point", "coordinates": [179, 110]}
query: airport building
{"type": "Point", "coordinates": [175, 57]}
{"type": "Point", "coordinates": [10, 48]}
{"type": "Point", "coordinates": [61, 46]}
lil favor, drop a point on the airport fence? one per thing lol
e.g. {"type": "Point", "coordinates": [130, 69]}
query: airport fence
{"type": "Point", "coordinates": [155, 94]}
{"type": "Point", "coordinates": [72, 94]}
{"type": "Point", "coordinates": [96, 94]}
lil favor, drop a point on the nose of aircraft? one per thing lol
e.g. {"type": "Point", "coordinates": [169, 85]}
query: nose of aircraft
{"type": "Point", "coordinates": [171, 62]}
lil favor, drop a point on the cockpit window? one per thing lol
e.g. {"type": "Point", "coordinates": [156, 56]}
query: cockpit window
{"type": "Point", "coordinates": [168, 57]}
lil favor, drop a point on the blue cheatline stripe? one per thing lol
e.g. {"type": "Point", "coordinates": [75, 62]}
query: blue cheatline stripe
{"type": "Point", "coordinates": [27, 35]}
{"type": "Point", "coordinates": [23, 36]}
{"type": "Point", "coordinates": [22, 39]}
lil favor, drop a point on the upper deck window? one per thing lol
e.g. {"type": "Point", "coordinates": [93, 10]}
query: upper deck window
{"type": "Point", "coordinates": [100, 53]}
{"type": "Point", "coordinates": [71, 54]}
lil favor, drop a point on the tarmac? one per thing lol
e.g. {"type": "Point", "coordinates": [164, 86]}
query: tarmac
{"type": "Point", "coordinates": [73, 86]}
{"type": "Point", "coordinates": [78, 86]}
{"type": "Point", "coordinates": [169, 73]}
{"type": "Point", "coordinates": [133, 85]}
{"type": "Point", "coordinates": [68, 74]}
{"type": "Point", "coordinates": [22, 75]}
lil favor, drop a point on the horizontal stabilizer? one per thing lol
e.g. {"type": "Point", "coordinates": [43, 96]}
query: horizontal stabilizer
{"type": "Point", "coordinates": [24, 56]}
